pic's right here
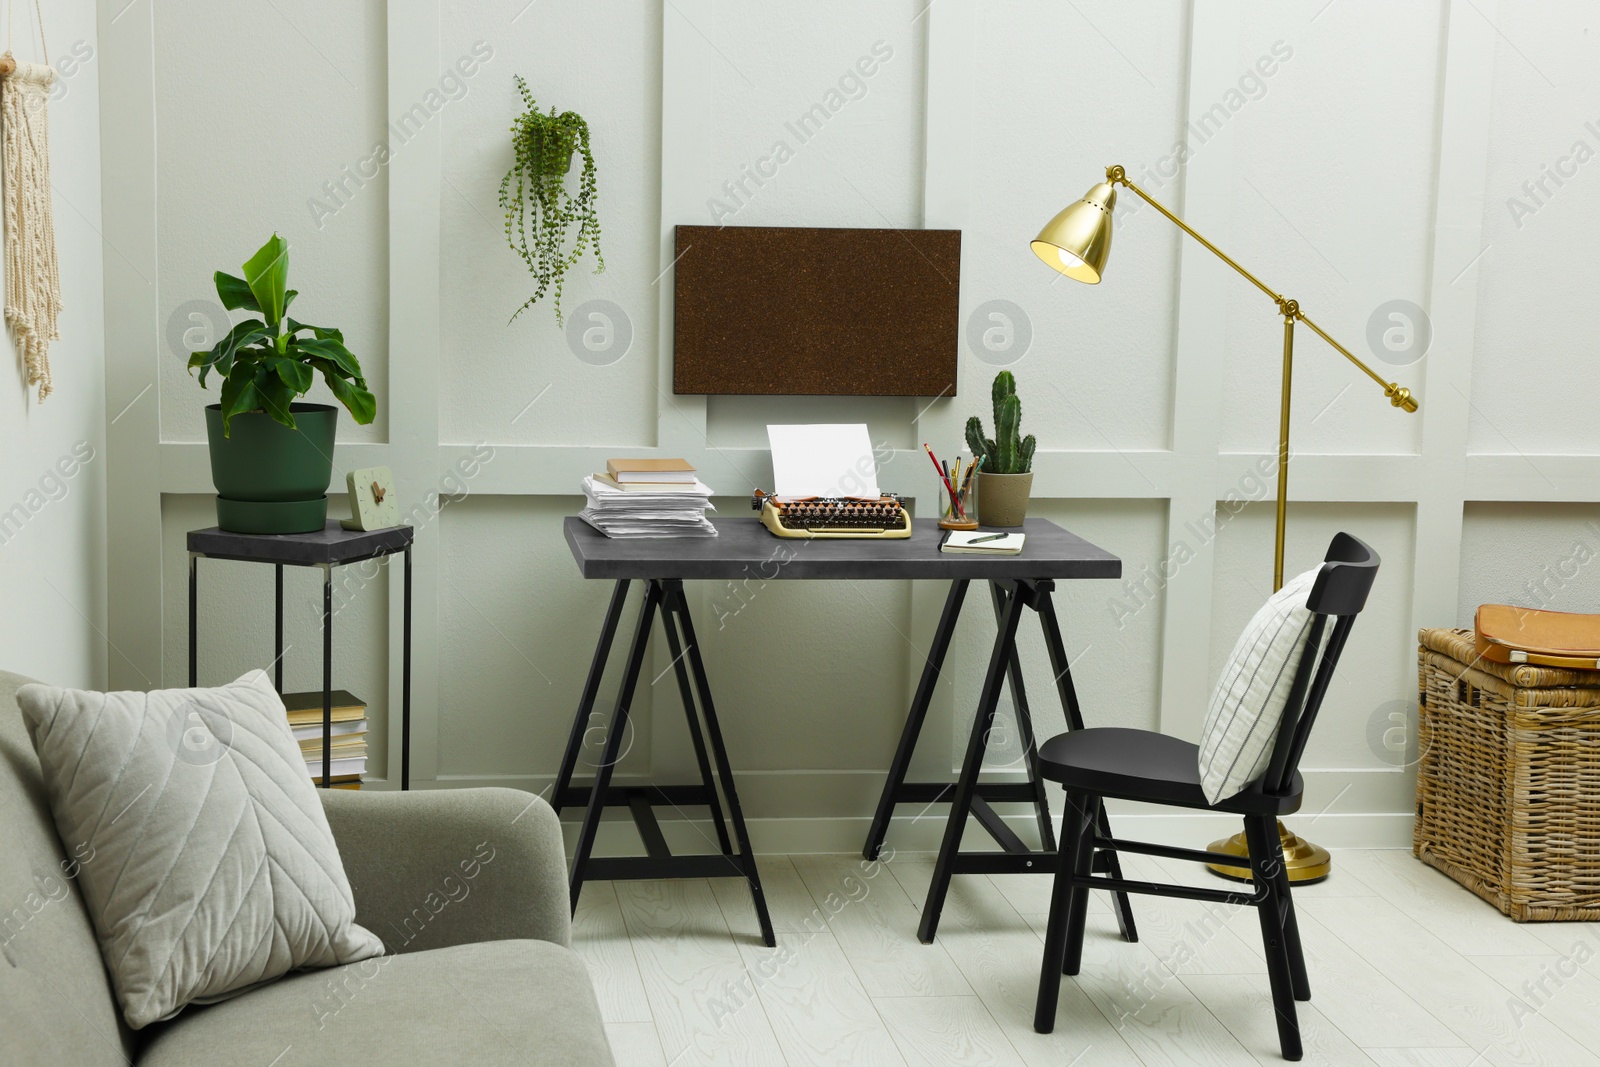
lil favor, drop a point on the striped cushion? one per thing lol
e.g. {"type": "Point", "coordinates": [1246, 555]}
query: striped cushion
{"type": "Point", "coordinates": [1247, 706]}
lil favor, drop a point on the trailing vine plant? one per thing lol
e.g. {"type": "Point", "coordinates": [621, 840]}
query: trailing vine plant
{"type": "Point", "coordinates": [535, 198]}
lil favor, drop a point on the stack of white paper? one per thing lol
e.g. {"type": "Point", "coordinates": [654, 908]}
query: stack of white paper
{"type": "Point", "coordinates": [640, 513]}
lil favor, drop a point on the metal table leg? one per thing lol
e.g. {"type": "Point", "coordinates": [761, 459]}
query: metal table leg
{"type": "Point", "coordinates": [686, 695]}
{"type": "Point", "coordinates": [405, 681]}
{"type": "Point", "coordinates": [277, 628]}
{"type": "Point", "coordinates": [194, 589]}
{"type": "Point", "coordinates": [614, 733]}
{"type": "Point", "coordinates": [591, 689]}
{"type": "Point", "coordinates": [966, 785]}
{"type": "Point", "coordinates": [901, 763]}
{"type": "Point", "coordinates": [327, 676]}
{"type": "Point", "coordinates": [1030, 749]}
{"type": "Point", "coordinates": [719, 752]}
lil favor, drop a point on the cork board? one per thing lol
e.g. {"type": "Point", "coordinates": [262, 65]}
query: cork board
{"type": "Point", "coordinates": [821, 312]}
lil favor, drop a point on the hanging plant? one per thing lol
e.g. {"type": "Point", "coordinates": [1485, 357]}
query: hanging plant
{"type": "Point", "coordinates": [535, 198]}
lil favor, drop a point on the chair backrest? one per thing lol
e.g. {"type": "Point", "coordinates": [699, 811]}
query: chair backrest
{"type": "Point", "coordinates": [1339, 593]}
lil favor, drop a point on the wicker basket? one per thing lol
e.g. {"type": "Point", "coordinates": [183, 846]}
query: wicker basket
{"type": "Point", "coordinates": [1508, 783]}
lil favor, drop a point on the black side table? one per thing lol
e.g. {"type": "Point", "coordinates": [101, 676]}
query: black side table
{"type": "Point", "coordinates": [332, 546]}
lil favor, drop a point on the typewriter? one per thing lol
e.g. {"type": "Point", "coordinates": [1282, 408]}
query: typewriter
{"type": "Point", "coordinates": [827, 516]}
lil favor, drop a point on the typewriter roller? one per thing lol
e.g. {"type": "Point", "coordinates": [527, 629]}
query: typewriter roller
{"type": "Point", "coordinates": [826, 516]}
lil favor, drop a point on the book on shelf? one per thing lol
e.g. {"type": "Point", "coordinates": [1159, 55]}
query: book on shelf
{"type": "Point", "coordinates": [305, 709]}
{"type": "Point", "coordinates": [349, 781]}
{"type": "Point", "coordinates": [651, 470]}
{"type": "Point", "coordinates": [350, 745]}
{"type": "Point", "coordinates": [343, 767]}
{"type": "Point", "coordinates": [313, 731]}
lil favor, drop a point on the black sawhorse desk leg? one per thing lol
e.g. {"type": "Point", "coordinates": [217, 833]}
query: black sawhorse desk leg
{"type": "Point", "coordinates": [694, 689]}
{"type": "Point", "coordinates": [967, 795]}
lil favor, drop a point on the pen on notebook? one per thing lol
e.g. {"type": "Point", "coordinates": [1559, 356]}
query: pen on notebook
{"type": "Point", "coordinates": [987, 537]}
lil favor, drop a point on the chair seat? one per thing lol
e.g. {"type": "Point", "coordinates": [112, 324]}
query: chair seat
{"type": "Point", "coordinates": [1114, 761]}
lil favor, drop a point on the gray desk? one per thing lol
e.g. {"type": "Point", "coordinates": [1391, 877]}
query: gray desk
{"type": "Point", "coordinates": [745, 548]}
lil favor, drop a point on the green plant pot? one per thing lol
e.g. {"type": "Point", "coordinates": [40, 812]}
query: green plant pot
{"type": "Point", "coordinates": [271, 479]}
{"type": "Point", "coordinates": [1003, 498]}
{"type": "Point", "coordinates": [536, 145]}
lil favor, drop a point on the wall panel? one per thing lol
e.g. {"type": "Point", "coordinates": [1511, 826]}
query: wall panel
{"type": "Point", "coordinates": [270, 126]}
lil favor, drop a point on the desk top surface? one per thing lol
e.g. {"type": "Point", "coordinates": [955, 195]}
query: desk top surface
{"type": "Point", "coordinates": [746, 549]}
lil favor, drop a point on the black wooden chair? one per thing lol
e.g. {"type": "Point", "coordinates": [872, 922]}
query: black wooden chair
{"type": "Point", "coordinates": [1143, 765]}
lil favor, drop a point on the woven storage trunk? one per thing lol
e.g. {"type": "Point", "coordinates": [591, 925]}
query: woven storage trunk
{"type": "Point", "coordinates": [1508, 781]}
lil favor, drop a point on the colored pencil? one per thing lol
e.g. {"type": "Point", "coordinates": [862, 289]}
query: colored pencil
{"type": "Point", "coordinates": [955, 503]}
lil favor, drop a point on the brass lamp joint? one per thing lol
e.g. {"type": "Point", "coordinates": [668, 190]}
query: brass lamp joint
{"type": "Point", "coordinates": [1289, 309]}
{"type": "Point", "coordinates": [1116, 175]}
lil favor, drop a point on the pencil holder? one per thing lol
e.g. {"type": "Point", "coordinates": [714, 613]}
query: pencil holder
{"type": "Point", "coordinates": [962, 517]}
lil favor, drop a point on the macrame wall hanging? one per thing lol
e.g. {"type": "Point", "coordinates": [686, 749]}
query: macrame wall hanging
{"type": "Point", "coordinates": [33, 279]}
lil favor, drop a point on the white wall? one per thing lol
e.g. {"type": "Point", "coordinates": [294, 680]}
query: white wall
{"type": "Point", "coordinates": [52, 477]}
{"type": "Point", "coordinates": [1347, 168]}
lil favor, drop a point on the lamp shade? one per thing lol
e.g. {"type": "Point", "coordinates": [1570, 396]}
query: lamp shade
{"type": "Point", "coordinates": [1077, 242]}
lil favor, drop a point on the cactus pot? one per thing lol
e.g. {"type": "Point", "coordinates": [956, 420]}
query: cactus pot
{"type": "Point", "coordinates": [271, 479]}
{"type": "Point", "coordinates": [1003, 498]}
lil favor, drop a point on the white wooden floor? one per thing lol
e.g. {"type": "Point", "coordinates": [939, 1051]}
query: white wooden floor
{"type": "Point", "coordinates": [1406, 968]}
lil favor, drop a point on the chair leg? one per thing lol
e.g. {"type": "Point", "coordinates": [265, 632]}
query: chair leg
{"type": "Point", "coordinates": [1266, 860]}
{"type": "Point", "coordinates": [1291, 933]}
{"type": "Point", "coordinates": [1061, 896]}
{"type": "Point", "coordinates": [1083, 866]}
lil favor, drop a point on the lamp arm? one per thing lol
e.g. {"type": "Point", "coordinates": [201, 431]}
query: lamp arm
{"type": "Point", "coordinates": [1398, 396]}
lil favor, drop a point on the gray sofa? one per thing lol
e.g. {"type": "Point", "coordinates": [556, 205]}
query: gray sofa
{"type": "Point", "coordinates": [480, 969]}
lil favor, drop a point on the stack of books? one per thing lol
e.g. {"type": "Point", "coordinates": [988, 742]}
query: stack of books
{"type": "Point", "coordinates": [648, 498]}
{"type": "Point", "coordinates": [349, 737]}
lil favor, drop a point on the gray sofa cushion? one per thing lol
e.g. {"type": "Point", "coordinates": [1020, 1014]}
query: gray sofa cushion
{"type": "Point", "coordinates": [510, 1002]}
{"type": "Point", "coordinates": [55, 999]}
{"type": "Point", "coordinates": [215, 867]}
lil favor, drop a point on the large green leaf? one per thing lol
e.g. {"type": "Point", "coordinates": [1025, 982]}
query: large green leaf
{"type": "Point", "coordinates": [239, 394]}
{"type": "Point", "coordinates": [276, 395]}
{"type": "Point", "coordinates": [268, 274]}
{"type": "Point", "coordinates": [363, 406]}
{"type": "Point", "coordinates": [292, 372]}
{"type": "Point", "coordinates": [331, 350]}
{"type": "Point", "coordinates": [221, 355]}
{"type": "Point", "coordinates": [235, 292]}
{"type": "Point", "coordinates": [321, 333]}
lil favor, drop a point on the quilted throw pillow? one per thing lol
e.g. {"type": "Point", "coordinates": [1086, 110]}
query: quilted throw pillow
{"type": "Point", "coordinates": [1247, 706]}
{"type": "Point", "coordinates": [214, 868]}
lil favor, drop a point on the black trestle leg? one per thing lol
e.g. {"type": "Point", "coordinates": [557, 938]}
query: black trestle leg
{"type": "Point", "coordinates": [613, 744]}
{"type": "Point", "coordinates": [901, 764]}
{"type": "Point", "coordinates": [1024, 715]}
{"type": "Point", "coordinates": [675, 601]}
{"type": "Point", "coordinates": [591, 689]}
{"type": "Point", "coordinates": [971, 765]}
{"type": "Point", "coordinates": [686, 695]}
{"type": "Point", "coordinates": [1055, 934]}
{"type": "Point", "coordinates": [1266, 858]}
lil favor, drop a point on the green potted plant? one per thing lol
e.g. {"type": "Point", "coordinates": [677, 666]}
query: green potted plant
{"type": "Point", "coordinates": [535, 198]}
{"type": "Point", "coordinates": [272, 458]}
{"type": "Point", "coordinates": [1005, 472]}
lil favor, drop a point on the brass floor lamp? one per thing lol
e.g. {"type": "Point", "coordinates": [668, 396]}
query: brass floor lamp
{"type": "Point", "coordinates": [1077, 242]}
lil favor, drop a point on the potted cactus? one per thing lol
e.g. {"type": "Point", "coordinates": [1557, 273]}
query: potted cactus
{"type": "Point", "coordinates": [1005, 471]}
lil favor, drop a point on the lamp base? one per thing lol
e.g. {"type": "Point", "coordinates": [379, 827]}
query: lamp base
{"type": "Point", "coordinates": [1305, 862]}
